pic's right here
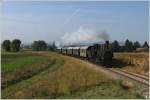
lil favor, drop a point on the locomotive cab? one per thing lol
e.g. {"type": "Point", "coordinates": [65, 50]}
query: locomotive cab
{"type": "Point", "coordinates": [102, 53]}
{"type": "Point", "coordinates": [108, 54]}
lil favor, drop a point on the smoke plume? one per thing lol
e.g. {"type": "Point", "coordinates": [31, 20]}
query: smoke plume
{"type": "Point", "coordinates": [83, 35]}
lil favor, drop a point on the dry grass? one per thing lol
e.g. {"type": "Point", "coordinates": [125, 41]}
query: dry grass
{"type": "Point", "coordinates": [135, 62]}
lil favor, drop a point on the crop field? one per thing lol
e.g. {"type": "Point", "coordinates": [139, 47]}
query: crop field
{"type": "Point", "coordinates": [51, 75]}
{"type": "Point", "coordinates": [134, 62]}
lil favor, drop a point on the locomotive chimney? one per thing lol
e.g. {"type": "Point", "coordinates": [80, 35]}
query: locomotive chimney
{"type": "Point", "coordinates": [107, 44]}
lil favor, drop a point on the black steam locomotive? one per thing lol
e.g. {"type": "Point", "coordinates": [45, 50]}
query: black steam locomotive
{"type": "Point", "coordinates": [98, 52]}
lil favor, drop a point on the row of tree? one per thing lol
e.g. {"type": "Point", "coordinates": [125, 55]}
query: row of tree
{"type": "Point", "coordinates": [128, 46]}
{"type": "Point", "coordinates": [41, 45]}
{"type": "Point", "coordinates": [14, 46]}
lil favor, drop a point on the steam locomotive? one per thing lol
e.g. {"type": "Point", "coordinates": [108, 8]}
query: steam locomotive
{"type": "Point", "coordinates": [98, 52]}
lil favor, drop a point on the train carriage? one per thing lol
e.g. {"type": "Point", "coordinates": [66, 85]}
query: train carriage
{"type": "Point", "coordinates": [83, 51]}
{"type": "Point", "coordinates": [76, 51]}
{"type": "Point", "coordinates": [59, 50]}
{"type": "Point", "coordinates": [90, 52]}
{"type": "Point", "coordinates": [64, 50]}
{"type": "Point", "coordinates": [69, 50]}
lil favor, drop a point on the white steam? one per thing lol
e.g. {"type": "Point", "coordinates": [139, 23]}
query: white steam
{"type": "Point", "coordinates": [82, 35]}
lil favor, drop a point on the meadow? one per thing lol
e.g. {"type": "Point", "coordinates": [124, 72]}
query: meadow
{"type": "Point", "coordinates": [134, 62]}
{"type": "Point", "coordinates": [51, 75]}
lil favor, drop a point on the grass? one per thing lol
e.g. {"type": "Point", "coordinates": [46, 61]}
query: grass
{"type": "Point", "coordinates": [65, 77]}
{"type": "Point", "coordinates": [21, 67]}
{"type": "Point", "coordinates": [31, 83]}
{"type": "Point", "coordinates": [20, 63]}
{"type": "Point", "coordinates": [109, 90]}
{"type": "Point", "coordinates": [134, 62]}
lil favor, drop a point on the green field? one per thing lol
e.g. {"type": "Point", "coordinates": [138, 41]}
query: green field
{"type": "Point", "coordinates": [50, 75]}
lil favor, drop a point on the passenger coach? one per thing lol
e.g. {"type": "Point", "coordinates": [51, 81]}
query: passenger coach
{"type": "Point", "coordinates": [76, 51]}
{"type": "Point", "coordinates": [98, 52]}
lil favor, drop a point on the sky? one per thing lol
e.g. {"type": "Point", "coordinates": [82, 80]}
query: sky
{"type": "Point", "coordinates": [59, 21]}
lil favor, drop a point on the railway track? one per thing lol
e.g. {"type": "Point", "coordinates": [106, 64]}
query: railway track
{"type": "Point", "coordinates": [136, 77]}
{"type": "Point", "coordinates": [133, 76]}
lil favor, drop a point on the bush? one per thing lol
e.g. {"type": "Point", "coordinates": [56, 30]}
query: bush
{"type": "Point", "coordinates": [15, 45]}
{"type": "Point", "coordinates": [6, 45]}
{"type": "Point", "coordinates": [39, 45]}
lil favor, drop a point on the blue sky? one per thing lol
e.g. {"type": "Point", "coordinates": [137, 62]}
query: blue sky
{"type": "Point", "coordinates": [50, 21]}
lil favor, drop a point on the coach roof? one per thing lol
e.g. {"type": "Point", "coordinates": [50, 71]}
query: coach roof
{"type": "Point", "coordinates": [75, 47]}
{"type": "Point", "coordinates": [84, 47]}
{"type": "Point", "coordinates": [69, 47]}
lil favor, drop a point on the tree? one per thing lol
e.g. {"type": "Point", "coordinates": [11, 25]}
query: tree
{"type": "Point", "coordinates": [115, 46]}
{"type": "Point", "coordinates": [129, 46]}
{"type": "Point", "coordinates": [136, 45]}
{"type": "Point", "coordinates": [15, 45]}
{"type": "Point", "coordinates": [146, 45]}
{"type": "Point", "coordinates": [52, 46]}
{"type": "Point", "coordinates": [6, 45]}
{"type": "Point", "coordinates": [39, 45]}
{"type": "Point", "coordinates": [122, 48]}
{"type": "Point", "coordinates": [34, 45]}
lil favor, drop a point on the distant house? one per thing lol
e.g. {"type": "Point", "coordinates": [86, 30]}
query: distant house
{"type": "Point", "coordinates": [142, 50]}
